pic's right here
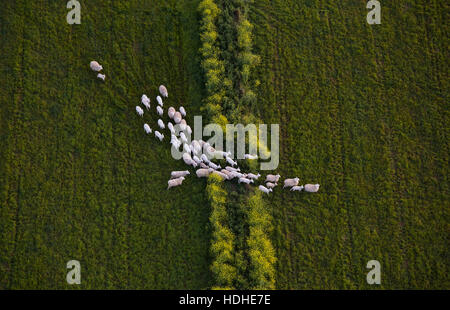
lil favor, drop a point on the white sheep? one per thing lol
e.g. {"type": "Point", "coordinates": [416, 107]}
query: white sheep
{"type": "Point", "coordinates": [95, 66]}
{"type": "Point", "coordinates": [196, 148]}
{"type": "Point", "coordinates": [147, 128]}
{"type": "Point", "coordinates": [249, 156]}
{"type": "Point", "coordinates": [161, 124]}
{"type": "Point", "coordinates": [213, 165]}
{"type": "Point", "coordinates": [264, 189]}
{"type": "Point", "coordinates": [179, 174]}
{"type": "Point", "coordinates": [271, 185]}
{"type": "Point", "coordinates": [186, 148]}
{"type": "Point", "coordinates": [183, 124]}
{"type": "Point", "coordinates": [175, 182]}
{"type": "Point", "coordinates": [205, 159]}
{"type": "Point", "coordinates": [297, 188]}
{"type": "Point", "coordinates": [175, 142]}
{"type": "Point", "coordinates": [312, 188]}
{"type": "Point", "coordinates": [182, 111]}
{"type": "Point", "coordinates": [220, 174]}
{"type": "Point", "coordinates": [163, 91]}
{"type": "Point", "coordinates": [159, 110]}
{"type": "Point", "coordinates": [245, 180]}
{"type": "Point", "coordinates": [159, 135]}
{"type": "Point", "coordinates": [204, 166]}
{"type": "Point", "coordinates": [188, 130]}
{"type": "Point", "coordinates": [253, 176]}
{"type": "Point", "coordinates": [232, 169]}
{"type": "Point", "coordinates": [170, 126]}
{"type": "Point", "coordinates": [229, 174]}
{"type": "Point", "coordinates": [291, 182]}
{"type": "Point", "coordinates": [101, 76]}
{"type": "Point", "coordinates": [204, 173]}
{"type": "Point", "coordinates": [183, 137]}
{"type": "Point", "coordinates": [160, 102]}
{"type": "Point", "coordinates": [272, 178]}
{"type": "Point", "coordinates": [197, 160]}
{"type": "Point", "coordinates": [188, 160]}
{"type": "Point", "coordinates": [171, 112]}
{"type": "Point", "coordinates": [177, 117]}
{"type": "Point", "coordinates": [139, 111]}
{"type": "Point", "coordinates": [145, 101]}
{"type": "Point", "coordinates": [237, 174]}
{"type": "Point", "coordinates": [209, 150]}
{"type": "Point", "coordinates": [222, 154]}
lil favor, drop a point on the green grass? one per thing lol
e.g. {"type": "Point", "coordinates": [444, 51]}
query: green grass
{"type": "Point", "coordinates": [363, 111]}
{"type": "Point", "coordinates": [79, 178]}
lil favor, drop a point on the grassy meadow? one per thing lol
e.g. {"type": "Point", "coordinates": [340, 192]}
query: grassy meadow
{"type": "Point", "coordinates": [364, 112]}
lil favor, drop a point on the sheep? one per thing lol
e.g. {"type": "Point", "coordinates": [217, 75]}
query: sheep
{"type": "Point", "coordinates": [213, 165]}
{"type": "Point", "coordinates": [175, 182]}
{"type": "Point", "coordinates": [139, 111]}
{"type": "Point", "coordinates": [177, 117]}
{"type": "Point", "coordinates": [160, 102]}
{"type": "Point", "coordinates": [264, 189]}
{"type": "Point", "coordinates": [248, 156]}
{"type": "Point", "coordinates": [253, 176]}
{"type": "Point", "coordinates": [188, 130]}
{"type": "Point", "coordinates": [175, 142]}
{"type": "Point", "coordinates": [174, 138]}
{"type": "Point", "coordinates": [147, 128]}
{"type": "Point", "coordinates": [170, 126]}
{"type": "Point", "coordinates": [179, 174]}
{"type": "Point", "coordinates": [186, 148]}
{"type": "Point", "coordinates": [147, 105]}
{"type": "Point", "coordinates": [95, 66]}
{"type": "Point", "coordinates": [272, 178]}
{"type": "Point", "coordinates": [205, 159]}
{"type": "Point", "coordinates": [163, 91]}
{"type": "Point", "coordinates": [197, 160]}
{"type": "Point", "coordinates": [145, 101]}
{"type": "Point", "coordinates": [222, 154]}
{"type": "Point", "coordinates": [182, 111]}
{"type": "Point", "coordinates": [209, 150]}
{"type": "Point", "coordinates": [245, 180]}
{"type": "Point", "coordinates": [229, 174]}
{"type": "Point", "coordinates": [204, 166]}
{"type": "Point", "coordinates": [183, 124]}
{"type": "Point", "coordinates": [183, 137]}
{"type": "Point", "coordinates": [101, 76]}
{"type": "Point", "coordinates": [171, 112]}
{"type": "Point", "coordinates": [291, 182]}
{"type": "Point", "coordinates": [204, 173]}
{"type": "Point", "coordinates": [237, 174]}
{"type": "Point", "coordinates": [271, 185]}
{"type": "Point", "coordinates": [159, 110]}
{"type": "Point", "coordinates": [232, 169]}
{"type": "Point", "coordinates": [312, 188]}
{"type": "Point", "coordinates": [188, 160]}
{"type": "Point", "coordinates": [196, 148]}
{"type": "Point", "coordinates": [297, 188]}
{"type": "Point", "coordinates": [222, 175]}
{"type": "Point", "coordinates": [159, 135]}
{"type": "Point", "coordinates": [161, 124]}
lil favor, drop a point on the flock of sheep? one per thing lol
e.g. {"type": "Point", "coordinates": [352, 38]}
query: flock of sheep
{"type": "Point", "coordinates": [199, 154]}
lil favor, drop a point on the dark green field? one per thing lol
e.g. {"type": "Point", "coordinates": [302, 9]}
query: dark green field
{"type": "Point", "coordinates": [363, 110]}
